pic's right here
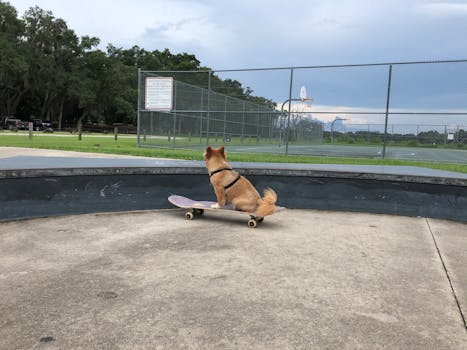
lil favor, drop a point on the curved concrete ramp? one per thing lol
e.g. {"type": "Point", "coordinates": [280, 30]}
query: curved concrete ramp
{"type": "Point", "coordinates": [40, 186]}
{"type": "Point", "coordinates": [304, 280]}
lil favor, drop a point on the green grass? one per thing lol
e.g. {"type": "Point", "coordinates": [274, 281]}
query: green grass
{"type": "Point", "coordinates": [127, 146]}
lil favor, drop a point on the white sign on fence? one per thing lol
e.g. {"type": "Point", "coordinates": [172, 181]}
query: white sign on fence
{"type": "Point", "coordinates": [159, 93]}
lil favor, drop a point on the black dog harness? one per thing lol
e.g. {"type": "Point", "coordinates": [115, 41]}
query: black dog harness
{"type": "Point", "coordinates": [229, 169]}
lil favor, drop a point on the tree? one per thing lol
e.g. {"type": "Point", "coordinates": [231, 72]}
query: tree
{"type": "Point", "coordinates": [431, 137]}
{"type": "Point", "coordinates": [121, 91]}
{"type": "Point", "coordinates": [13, 65]}
{"type": "Point", "coordinates": [47, 71]}
{"type": "Point", "coordinates": [52, 51]}
{"type": "Point", "coordinates": [104, 88]}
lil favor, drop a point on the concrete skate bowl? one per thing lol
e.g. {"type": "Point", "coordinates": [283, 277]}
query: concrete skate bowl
{"type": "Point", "coordinates": [113, 185]}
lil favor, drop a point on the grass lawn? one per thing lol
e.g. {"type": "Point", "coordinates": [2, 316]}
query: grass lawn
{"type": "Point", "coordinates": [127, 146]}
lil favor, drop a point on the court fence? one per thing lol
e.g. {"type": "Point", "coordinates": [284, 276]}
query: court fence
{"type": "Point", "coordinates": [402, 110]}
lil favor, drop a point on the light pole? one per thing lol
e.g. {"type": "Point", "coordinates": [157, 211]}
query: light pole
{"type": "Point", "coordinates": [332, 127]}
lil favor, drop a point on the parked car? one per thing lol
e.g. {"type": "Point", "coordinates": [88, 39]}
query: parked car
{"type": "Point", "coordinates": [24, 125]}
{"type": "Point", "coordinates": [40, 125]}
{"type": "Point", "coordinates": [11, 123]}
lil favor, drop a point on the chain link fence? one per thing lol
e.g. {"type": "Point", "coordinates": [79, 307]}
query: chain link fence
{"type": "Point", "coordinates": [405, 110]}
{"type": "Point", "coordinates": [201, 116]}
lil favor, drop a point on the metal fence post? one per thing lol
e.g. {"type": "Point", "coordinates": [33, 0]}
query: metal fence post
{"type": "Point", "coordinates": [243, 123]}
{"type": "Point", "coordinates": [270, 127]}
{"type": "Point", "coordinates": [288, 114]}
{"type": "Point", "coordinates": [225, 118]}
{"type": "Point", "coordinates": [138, 117]}
{"type": "Point", "coordinates": [387, 112]}
{"type": "Point", "coordinates": [257, 126]}
{"type": "Point", "coordinates": [201, 119]}
{"type": "Point", "coordinates": [175, 115]}
{"type": "Point", "coordinates": [209, 108]}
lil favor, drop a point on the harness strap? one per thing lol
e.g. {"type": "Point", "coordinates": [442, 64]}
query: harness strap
{"type": "Point", "coordinates": [219, 170]}
{"type": "Point", "coordinates": [233, 182]}
{"type": "Point", "coordinates": [230, 184]}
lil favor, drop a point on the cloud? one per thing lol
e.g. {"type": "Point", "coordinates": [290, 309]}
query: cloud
{"type": "Point", "coordinates": [245, 33]}
{"type": "Point", "coordinates": [444, 9]}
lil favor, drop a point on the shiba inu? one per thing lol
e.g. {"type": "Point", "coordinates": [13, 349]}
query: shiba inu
{"type": "Point", "coordinates": [231, 187]}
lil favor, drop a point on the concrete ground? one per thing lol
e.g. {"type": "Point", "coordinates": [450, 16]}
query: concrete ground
{"type": "Point", "coordinates": [303, 279]}
{"type": "Point", "coordinates": [10, 152]}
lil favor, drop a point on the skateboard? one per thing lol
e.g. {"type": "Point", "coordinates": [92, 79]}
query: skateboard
{"type": "Point", "coordinates": [197, 208]}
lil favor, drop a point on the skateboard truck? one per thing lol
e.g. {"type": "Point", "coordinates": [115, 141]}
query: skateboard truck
{"type": "Point", "coordinates": [190, 215]}
{"type": "Point", "coordinates": [195, 212]}
{"type": "Point", "coordinates": [254, 221]}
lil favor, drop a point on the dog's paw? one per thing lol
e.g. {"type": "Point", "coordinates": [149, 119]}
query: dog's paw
{"type": "Point", "coordinates": [215, 206]}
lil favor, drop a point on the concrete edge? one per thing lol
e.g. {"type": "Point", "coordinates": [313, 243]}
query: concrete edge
{"type": "Point", "coordinates": [191, 170]}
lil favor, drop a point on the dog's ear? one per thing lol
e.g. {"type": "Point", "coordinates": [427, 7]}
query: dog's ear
{"type": "Point", "coordinates": [222, 152]}
{"type": "Point", "coordinates": [208, 152]}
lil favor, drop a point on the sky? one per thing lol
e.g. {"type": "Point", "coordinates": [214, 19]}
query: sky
{"type": "Point", "coordinates": [276, 33]}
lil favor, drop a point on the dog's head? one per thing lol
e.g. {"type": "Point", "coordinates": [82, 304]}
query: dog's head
{"type": "Point", "coordinates": [215, 157]}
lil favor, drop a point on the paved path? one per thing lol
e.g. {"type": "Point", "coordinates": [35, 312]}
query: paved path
{"type": "Point", "coordinates": [30, 158]}
{"type": "Point", "coordinates": [303, 280]}
{"type": "Point", "coordinates": [9, 152]}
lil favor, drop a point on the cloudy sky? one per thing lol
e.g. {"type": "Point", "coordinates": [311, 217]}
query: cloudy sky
{"type": "Point", "coordinates": [277, 33]}
{"type": "Point", "coordinates": [263, 33]}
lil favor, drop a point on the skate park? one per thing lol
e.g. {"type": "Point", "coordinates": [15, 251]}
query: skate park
{"type": "Point", "coordinates": [95, 257]}
{"type": "Point", "coordinates": [348, 112]}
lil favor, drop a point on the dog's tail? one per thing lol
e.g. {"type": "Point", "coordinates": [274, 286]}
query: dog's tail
{"type": "Point", "coordinates": [267, 204]}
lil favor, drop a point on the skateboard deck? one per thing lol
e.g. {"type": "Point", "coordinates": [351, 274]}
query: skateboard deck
{"type": "Point", "coordinates": [197, 208]}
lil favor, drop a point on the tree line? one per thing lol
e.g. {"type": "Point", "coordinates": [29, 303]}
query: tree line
{"type": "Point", "coordinates": [48, 72]}
{"type": "Point", "coordinates": [430, 138]}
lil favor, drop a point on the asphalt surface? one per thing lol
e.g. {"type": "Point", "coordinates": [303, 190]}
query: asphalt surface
{"type": "Point", "coordinates": [29, 158]}
{"type": "Point", "coordinates": [304, 279]}
{"type": "Point", "coordinates": [401, 153]}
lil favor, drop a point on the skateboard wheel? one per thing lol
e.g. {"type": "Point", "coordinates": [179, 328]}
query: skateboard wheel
{"type": "Point", "coordinates": [189, 215]}
{"type": "Point", "coordinates": [252, 223]}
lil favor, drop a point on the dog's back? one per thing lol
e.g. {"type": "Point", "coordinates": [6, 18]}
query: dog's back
{"type": "Point", "coordinates": [230, 187]}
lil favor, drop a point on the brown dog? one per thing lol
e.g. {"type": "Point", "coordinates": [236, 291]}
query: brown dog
{"type": "Point", "coordinates": [230, 187]}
